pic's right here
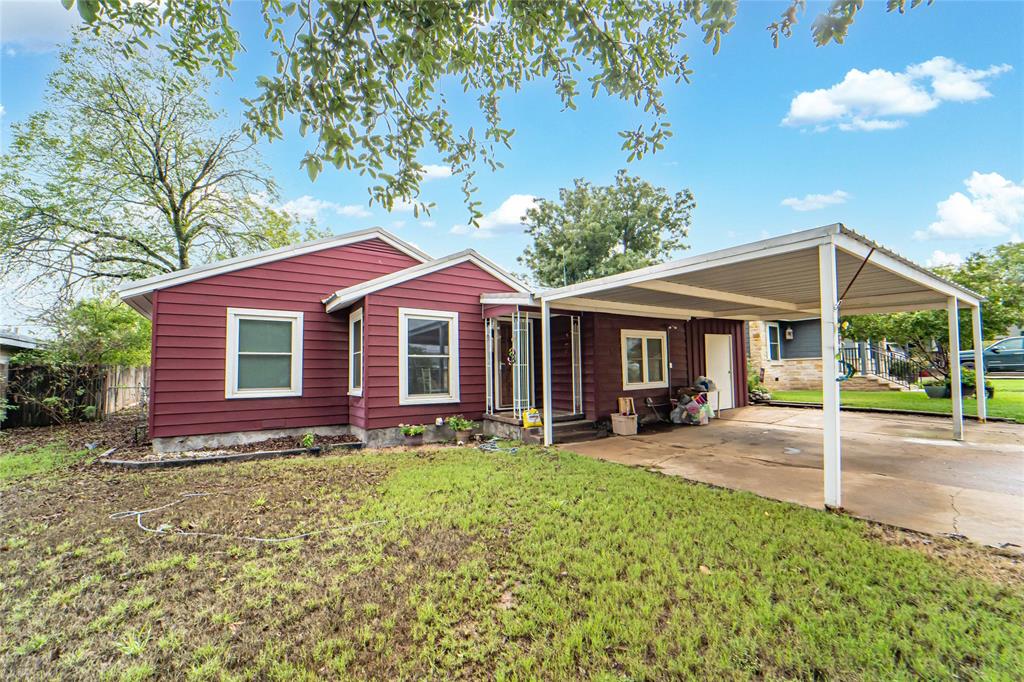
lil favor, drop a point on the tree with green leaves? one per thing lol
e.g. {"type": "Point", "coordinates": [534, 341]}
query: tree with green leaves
{"type": "Point", "coordinates": [95, 331]}
{"type": "Point", "coordinates": [128, 173]}
{"type": "Point", "coordinates": [369, 78]}
{"type": "Point", "coordinates": [594, 230]}
{"type": "Point", "coordinates": [997, 274]}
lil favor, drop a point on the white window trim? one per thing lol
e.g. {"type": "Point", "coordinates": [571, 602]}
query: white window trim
{"type": "Point", "coordinates": [356, 316]}
{"type": "Point", "coordinates": [644, 335]}
{"type": "Point", "coordinates": [768, 340]}
{"type": "Point", "coordinates": [231, 390]}
{"type": "Point", "coordinates": [403, 356]}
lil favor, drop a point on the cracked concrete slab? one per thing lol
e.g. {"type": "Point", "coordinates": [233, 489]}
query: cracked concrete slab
{"type": "Point", "coordinates": [901, 470]}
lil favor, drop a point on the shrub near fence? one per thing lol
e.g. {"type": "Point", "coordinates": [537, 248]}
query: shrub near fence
{"type": "Point", "coordinates": [40, 395]}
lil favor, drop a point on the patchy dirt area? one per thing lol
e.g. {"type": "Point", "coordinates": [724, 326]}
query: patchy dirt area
{"type": "Point", "coordinates": [126, 431]}
{"type": "Point", "coordinates": [122, 430]}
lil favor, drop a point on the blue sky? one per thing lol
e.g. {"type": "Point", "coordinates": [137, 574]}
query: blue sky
{"type": "Point", "coordinates": [912, 133]}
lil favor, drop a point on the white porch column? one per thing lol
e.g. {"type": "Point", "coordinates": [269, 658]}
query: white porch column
{"type": "Point", "coordinates": [829, 374]}
{"type": "Point", "coordinates": [545, 340]}
{"type": "Point", "coordinates": [955, 387]}
{"type": "Point", "coordinates": [979, 363]}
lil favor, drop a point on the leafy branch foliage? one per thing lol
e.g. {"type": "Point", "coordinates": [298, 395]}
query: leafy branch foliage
{"type": "Point", "coordinates": [369, 78]}
{"type": "Point", "coordinates": [126, 174]}
{"type": "Point", "coordinates": [997, 274]}
{"type": "Point", "coordinates": [593, 231]}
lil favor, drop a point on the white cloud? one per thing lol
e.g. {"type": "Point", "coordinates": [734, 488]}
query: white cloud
{"type": "Point", "coordinates": [992, 207]}
{"type": "Point", "coordinates": [813, 202]}
{"type": "Point", "coordinates": [433, 171]}
{"type": "Point", "coordinates": [310, 208]}
{"type": "Point", "coordinates": [2, 111]}
{"type": "Point", "coordinates": [35, 26]}
{"type": "Point", "coordinates": [939, 258]}
{"type": "Point", "coordinates": [398, 224]}
{"type": "Point", "coordinates": [878, 99]}
{"type": "Point", "coordinates": [428, 223]}
{"type": "Point", "coordinates": [506, 218]}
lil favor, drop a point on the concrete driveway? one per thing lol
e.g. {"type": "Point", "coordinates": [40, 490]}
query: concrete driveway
{"type": "Point", "coordinates": [901, 470]}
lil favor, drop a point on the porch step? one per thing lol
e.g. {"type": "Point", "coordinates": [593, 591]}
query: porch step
{"type": "Point", "coordinates": [872, 382]}
{"type": "Point", "coordinates": [572, 431]}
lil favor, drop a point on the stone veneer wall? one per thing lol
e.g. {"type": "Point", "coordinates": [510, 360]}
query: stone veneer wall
{"type": "Point", "coordinates": [782, 375]}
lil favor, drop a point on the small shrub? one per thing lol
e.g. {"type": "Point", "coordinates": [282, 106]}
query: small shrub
{"type": "Point", "coordinates": [459, 423]}
{"type": "Point", "coordinates": [412, 429]}
{"type": "Point", "coordinates": [308, 440]}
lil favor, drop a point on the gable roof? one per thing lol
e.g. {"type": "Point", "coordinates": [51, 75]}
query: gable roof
{"type": "Point", "coordinates": [345, 297]}
{"type": "Point", "coordinates": [137, 294]}
{"type": "Point", "coordinates": [12, 340]}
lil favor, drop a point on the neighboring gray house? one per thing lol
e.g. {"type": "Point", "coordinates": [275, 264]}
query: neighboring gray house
{"type": "Point", "coordinates": [10, 344]}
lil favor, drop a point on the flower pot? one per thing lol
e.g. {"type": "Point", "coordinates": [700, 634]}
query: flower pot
{"type": "Point", "coordinates": [464, 436]}
{"type": "Point", "coordinates": [937, 391]}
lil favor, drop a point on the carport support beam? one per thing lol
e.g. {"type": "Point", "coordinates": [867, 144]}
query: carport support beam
{"type": "Point", "coordinates": [545, 340]}
{"type": "Point", "coordinates": [829, 374]}
{"type": "Point", "coordinates": [979, 362]}
{"type": "Point", "coordinates": [955, 384]}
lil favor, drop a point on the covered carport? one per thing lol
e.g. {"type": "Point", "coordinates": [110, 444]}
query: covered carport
{"type": "Point", "coordinates": [823, 272]}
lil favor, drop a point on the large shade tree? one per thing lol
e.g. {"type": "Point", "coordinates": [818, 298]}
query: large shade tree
{"type": "Point", "coordinates": [128, 172]}
{"type": "Point", "coordinates": [997, 274]}
{"type": "Point", "coordinates": [370, 79]}
{"type": "Point", "coordinates": [597, 230]}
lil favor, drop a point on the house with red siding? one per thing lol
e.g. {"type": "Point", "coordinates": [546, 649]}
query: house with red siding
{"type": "Point", "coordinates": [361, 332]}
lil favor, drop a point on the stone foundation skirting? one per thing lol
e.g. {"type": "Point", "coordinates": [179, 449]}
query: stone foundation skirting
{"type": "Point", "coordinates": [796, 374]}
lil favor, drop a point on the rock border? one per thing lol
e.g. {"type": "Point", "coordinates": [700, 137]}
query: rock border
{"type": "Point", "coordinates": [224, 458]}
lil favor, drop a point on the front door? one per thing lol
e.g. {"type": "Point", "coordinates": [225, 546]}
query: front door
{"type": "Point", "coordinates": [718, 367]}
{"type": "Point", "coordinates": [503, 366]}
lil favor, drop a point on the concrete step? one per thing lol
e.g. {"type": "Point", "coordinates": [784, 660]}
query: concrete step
{"type": "Point", "coordinates": [573, 431]}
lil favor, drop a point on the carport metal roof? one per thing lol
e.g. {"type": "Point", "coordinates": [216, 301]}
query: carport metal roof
{"type": "Point", "coordinates": [824, 272]}
{"type": "Point", "coordinates": [771, 279]}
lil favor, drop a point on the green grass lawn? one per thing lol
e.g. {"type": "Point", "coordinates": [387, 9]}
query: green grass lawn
{"type": "Point", "coordinates": [455, 563]}
{"type": "Point", "coordinates": [33, 460]}
{"type": "Point", "coordinates": [1008, 401]}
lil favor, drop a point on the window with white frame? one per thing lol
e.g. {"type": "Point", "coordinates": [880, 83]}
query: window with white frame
{"type": "Point", "coordinates": [644, 359]}
{"type": "Point", "coordinates": [264, 353]}
{"type": "Point", "coordinates": [428, 356]}
{"type": "Point", "coordinates": [355, 353]}
{"type": "Point", "coordinates": [774, 341]}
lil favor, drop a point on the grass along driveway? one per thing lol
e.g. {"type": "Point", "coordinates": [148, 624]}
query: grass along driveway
{"type": "Point", "coordinates": [456, 563]}
{"type": "Point", "coordinates": [1008, 401]}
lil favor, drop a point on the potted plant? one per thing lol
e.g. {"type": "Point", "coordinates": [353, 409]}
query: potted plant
{"type": "Point", "coordinates": [935, 388]}
{"type": "Point", "coordinates": [413, 433]}
{"type": "Point", "coordinates": [462, 427]}
{"type": "Point", "coordinates": [968, 384]}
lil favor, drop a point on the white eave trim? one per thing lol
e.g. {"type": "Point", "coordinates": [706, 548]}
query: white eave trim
{"type": "Point", "coordinates": [145, 286]}
{"type": "Point", "coordinates": [345, 297]}
{"type": "Point", "coordinates": [18, 342]}
{"type": "Point", "coordinates": [508, 298]}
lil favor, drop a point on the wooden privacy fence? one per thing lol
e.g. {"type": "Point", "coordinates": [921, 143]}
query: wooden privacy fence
{"type": "Point", "coordinates": [40, 395]}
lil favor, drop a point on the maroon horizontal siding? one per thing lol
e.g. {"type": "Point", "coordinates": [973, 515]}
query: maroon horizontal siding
{"type": "Point", "coordinates": [189, 342]}
{"type": "Point", "coordinates": [602, 380]}
{"type": "Point", "coordinates": [602, 358]}
{"type": "Point", "coordinates": [454, 289]}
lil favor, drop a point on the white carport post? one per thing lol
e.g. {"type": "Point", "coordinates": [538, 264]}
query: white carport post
{"type": "Point", "coordinates": [979, 363]}
{"type": "Point", "coordinates": [829, 367]}
{"type": "Point", "coordinates": [956, 388]}
{"type": "Point", "coordinates": [545, 340]}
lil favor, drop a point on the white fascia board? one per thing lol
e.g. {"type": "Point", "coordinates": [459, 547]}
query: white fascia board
{"type": "Point", "coordinates": [17, 342]}
{"type": "Point", "coordinates": [506, 298]}
{"type": "Point", "coordinates": [854, 244]}
{"type": "Point", "coordinates": [796, 241]}
{"type": "Point", "coordinates": [345, 297]}
{"type": "Point", "coordinates": [145, 286]}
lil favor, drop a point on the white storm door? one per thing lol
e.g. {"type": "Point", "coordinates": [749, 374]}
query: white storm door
{"type": "Point", "coordinates": [718, 367]}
